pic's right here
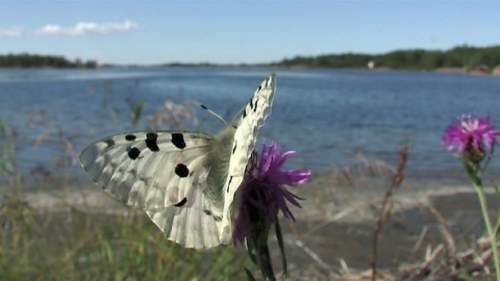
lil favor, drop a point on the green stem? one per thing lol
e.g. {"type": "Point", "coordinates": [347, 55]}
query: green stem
{"type": "Point", "coordinates": [279, 237]}
{"type": "Point", "coordinates": [257, 242]}
{"type": "Point", "coordinates": [475, 176]}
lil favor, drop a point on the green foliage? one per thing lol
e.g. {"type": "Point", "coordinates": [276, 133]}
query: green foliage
{"type": "Point", "coordinates": [28, 60]}
{"type": "Point", "coordinates": [136, 112]}
{"type": "Point", "coordinates": [71, 244]}
{"type": "Point", "coordinates": [474, 170]}
{"type": "Point", "coordinates": [76, 245]}
{"type": "Point", "coordinates": [461, 56]}
{"type": "Point", "coordinates": [497, 225]}
{"type": "Point", "coordinates": [7, 153]}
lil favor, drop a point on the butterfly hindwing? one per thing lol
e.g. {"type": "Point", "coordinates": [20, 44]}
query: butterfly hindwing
{"type": "Point", "coordinates": [166, 174]}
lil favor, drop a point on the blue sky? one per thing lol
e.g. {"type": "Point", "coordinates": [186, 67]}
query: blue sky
{"type": "Point", "coordinates": [149, 31]}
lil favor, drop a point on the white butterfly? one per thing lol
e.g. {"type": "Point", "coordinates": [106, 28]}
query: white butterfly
{"type": "Point", "coordinates": [185, 181]}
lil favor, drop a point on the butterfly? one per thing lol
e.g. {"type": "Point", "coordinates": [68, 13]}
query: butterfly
{"type": "Point", "coordinates": [186, 182]}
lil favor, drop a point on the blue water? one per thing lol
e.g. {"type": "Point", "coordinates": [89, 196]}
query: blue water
{"type": "Point", "coordinates": [326, 115]}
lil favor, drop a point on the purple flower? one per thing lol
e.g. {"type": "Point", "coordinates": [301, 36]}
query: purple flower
{"type": "Point", "coordinates": [264, 192]}
{"type": "Point", "coordinates": [471, 136]}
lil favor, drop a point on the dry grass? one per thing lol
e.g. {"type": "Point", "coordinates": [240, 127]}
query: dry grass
{"type": "Point", "coordinates": [75, 245]}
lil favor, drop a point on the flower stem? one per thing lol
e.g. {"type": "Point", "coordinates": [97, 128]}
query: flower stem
{"type": "Point", "coordinates": [475, 176]}
{"type": "Point", "coordinates": [262, 256]}
{"type": "Point", "coordinates": [279, 237]}
{"type": "Point", "coordinates": [264, 260]}
{"type": "Point", "coordinates": [257, 241]}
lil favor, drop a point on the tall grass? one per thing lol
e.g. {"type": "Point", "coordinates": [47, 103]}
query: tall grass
{"type": "Point", "coordinates": [77, 245]}
{"type": "Point", "coordinates": [82, 244]}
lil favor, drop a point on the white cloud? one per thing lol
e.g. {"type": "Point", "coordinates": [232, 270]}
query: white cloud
{"type": "Point", "coordinates": [10, 32]}
{"type": "Point", "coordinates": [83, 28]}
{"type": "Point", "coordinates": [50, 29]}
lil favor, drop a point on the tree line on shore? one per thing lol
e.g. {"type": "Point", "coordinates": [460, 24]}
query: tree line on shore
{"type": "Point", "coordinates": [464, 56]}
{"type": "Point", "coordinates": [32, 60]}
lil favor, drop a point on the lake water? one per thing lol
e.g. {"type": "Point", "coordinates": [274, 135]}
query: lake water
{"type": "Point", "coordinates": [326, 115]}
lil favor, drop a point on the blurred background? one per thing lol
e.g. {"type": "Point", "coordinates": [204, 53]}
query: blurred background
{"type": "Point", "coordinates": [356, 81]}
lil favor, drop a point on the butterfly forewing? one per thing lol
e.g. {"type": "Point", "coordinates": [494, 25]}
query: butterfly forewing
{"type": "Point", "coordinates": [245, 136]}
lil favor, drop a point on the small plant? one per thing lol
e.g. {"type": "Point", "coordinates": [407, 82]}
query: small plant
{"type": "Point", "coordinates": [387, 205]}
{"type": "Point", "coordinates": [263, 195]}
{"type": "Point", "coordinates": [7, 153]}
{"type": "Point", "coordinates": [474, 139]}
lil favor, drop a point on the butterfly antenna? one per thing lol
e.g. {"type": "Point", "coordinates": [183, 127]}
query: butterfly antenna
{"type": "Point", "coordinates": [239, 112]}
{"type": "Point", "coordinates": [213, 113]}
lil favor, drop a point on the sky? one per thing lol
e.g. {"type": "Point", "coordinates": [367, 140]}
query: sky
{"type": "Point", "coordinates": [152, 32]}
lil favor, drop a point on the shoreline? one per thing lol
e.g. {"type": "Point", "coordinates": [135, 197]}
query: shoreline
{"type": "Point", "coordinates": [320, 195]}
{"type": "Point", "coordinates": [343, 232]}
{"type": "Point", "coordinates": [335, 222]}
{"type": "Point", "coordinates": [444, 70]}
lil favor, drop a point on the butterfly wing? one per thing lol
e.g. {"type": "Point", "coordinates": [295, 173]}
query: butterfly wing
{"type": "Point", "coordinates": [186, 182]}
{"type": "Point", "coordinates": [245, 136]}
{"type": "Point", "coordinates": [167, 174]}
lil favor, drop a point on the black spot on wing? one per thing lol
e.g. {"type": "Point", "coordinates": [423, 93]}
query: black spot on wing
{"type": "Point", "coordinates": [209, 213]}
{"type": "Point", "coordinates": [151, 141]}
{"type": "Point", "coordinates": [251, 103]}
{"type": "Point", "coordinates": [109, 142]}
{"type": "Point", "coordinates": [133, 153]}
{"type": "Point", "coordinates": [255, 107]}
{"type": "Point", "coordinates": [234, 147]}
{"type": "Point", "coordinates": [178, 140]}
{"type": "Point", "coordinates": [130, 137]}
{"type": "Point", "coordinates": [181, 203]}
{"type": "Point", "coordinates": [245, 112]}
{"type": "Point", "coordinates": [268, 81]}
{"type": "Point", "coordinates": [181, 170]}
{"type": "Point", "coordinates": [229, 183]}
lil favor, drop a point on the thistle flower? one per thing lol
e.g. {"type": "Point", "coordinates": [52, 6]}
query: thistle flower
{"type": "Point", "coordinates": [472, 137]}
{"type": "Point", "coordinates": [264, 191]}
{"type": "Point", "coordinates": [475, 138]}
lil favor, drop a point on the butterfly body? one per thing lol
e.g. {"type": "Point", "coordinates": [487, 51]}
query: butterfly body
{"type": "Point", "coordinates": [185, 181]}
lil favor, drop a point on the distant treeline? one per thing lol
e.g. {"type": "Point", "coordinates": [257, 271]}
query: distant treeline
{"type": "Point", "coordinates": [459, 57]}
{"type": "Point", "coordinates": [29, 60]}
